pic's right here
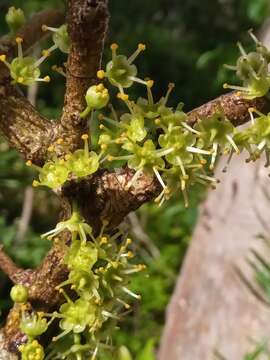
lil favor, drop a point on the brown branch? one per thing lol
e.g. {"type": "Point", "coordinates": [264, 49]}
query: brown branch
{"type": "Point", "coordinates": [8, 266]}
{"type": "Point", "coordinates": [87, 25]}
{"type": "Point", "coordinates": [233, 106]}
{"type": "Point", "coordinates": [32, 32]}
{"type": "Point", "coordinates": [110, 200]}
{"type": "Point", "coordinates": [23, 127]}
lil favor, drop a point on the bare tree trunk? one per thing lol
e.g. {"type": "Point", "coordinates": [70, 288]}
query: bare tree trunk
{"type": "Point", "coordinates": [211, 309]}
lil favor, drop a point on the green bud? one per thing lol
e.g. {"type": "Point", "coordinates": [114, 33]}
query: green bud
{"type": "Point", "coordinates": [15, 19]}
{"type": "Point", "coordinates": [19, 293]}
{"type": "Point", "coordinates": [97, 97]}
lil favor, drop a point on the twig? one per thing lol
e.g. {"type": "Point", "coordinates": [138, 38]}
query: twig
{"type": "Point", "coordinates": [26, 213]}
{"type": "Point", "coordinates": [233, 106]}
{"type": "Point", "coordinates": [141, 235]}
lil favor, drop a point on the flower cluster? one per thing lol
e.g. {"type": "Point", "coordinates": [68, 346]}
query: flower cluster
{"type": "Point", "coordinates": [60, 38]}
{"type": "Point", "coordinates": [252, 69]}
{"type": "Point", "coordinates": [32, 324]}
{"type": "Point", "coordinates": [153, 138]}
{"type": "Point", "coordinates": [25, 70]}
{"type": "Point", "coordinates": [99, 272]}
{"type": "Point", "coordinates": [57, 171]}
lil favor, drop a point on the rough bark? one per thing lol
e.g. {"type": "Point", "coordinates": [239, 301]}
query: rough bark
{"type": "Point", "coordinates": [87, 24]}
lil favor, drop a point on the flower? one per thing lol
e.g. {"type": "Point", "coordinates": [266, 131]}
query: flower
{"type": "Point", "coordinates": [25, 69]}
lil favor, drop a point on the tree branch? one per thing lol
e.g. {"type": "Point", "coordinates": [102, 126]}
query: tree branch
{"type": "Point", "coordinates": [110, 200]}
{"type": "Point", "coordinates": [233, 106]}
{"type": "Point", "coordinates": [23, 127]}
{"type": "Point", "coordinates": [8, 266]}
{"type": "Point", "coordinates": [87, 25]}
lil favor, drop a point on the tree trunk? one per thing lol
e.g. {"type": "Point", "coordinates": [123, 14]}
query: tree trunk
{"type": "Point", "coordinates": [211, 308]}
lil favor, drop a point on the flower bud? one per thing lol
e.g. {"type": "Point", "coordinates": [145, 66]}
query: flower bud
{"type": "Point", "coordinates": [97, 97]}
{"type": "Point", "coordinates": [19, 293]}
{"type": "Point", "coordinates": [15, 19]}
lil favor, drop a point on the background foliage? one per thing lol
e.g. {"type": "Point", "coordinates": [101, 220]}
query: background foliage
{"type": "Point", "coordinates": [180, 48]}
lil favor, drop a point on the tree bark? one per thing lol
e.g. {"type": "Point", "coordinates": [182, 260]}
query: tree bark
{"type": "Point", "coordinates": [211, 308]}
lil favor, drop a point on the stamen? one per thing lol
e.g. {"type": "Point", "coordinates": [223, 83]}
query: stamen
{"type": "Point", "coordinates": [131, 293]}
{"type": "Point", "coordinates": [251, 110]}
{"type": "Point", "coordinates": [141, 47]}
{"type": "Point", "coordinates": [261, 145]}
{"type": "Point", "coordinates": [230, 67]}
{"type": "Point", "coordinates": [164, 152]}
{"type": "Point", "coordinates": [59, 69]}
{"type": "Point", "coordinates": [170, 87]}
{"type": "Point", "coordinates": [180, 163]}
{"type": "Point", "coordinates": [45, 28]}
{"type": "Point", "coordinates": [114, 47]}
{"type": "Point", "coordinates": [253, 37]}
{"type": "Point", "coordinates": [190, 128]}
{"type": "Point", "coordinates": [19, 41]}
{"type": "Point", "coordinates": [149, 85]}
{"type": "Point", "coordinates": [198, 151]}
{"type": "Point", "coordinates": [207, 178]}
{"type": "Point", "coordinates": [134, 178]}
{"type": "Point", "coordinates": [86, 146]}
{"type": "Point", "coordinates": [109, 314]}
{"type": "Point", "coordinates": [64, 333]}
{"type": "Point", "coordinates": [126, 305]}
{"type": "Point", "coordinates": [242, 50]}
{"type": "Point", "coordinates": [138, 80]}
{"type": "Point", "coordinates": [95, 354]}
{"type": "Point", "coordinates": [229, 138]}
{"type": "Point", "coordinates": [185, 196]}
{"type": "Point", "coordinates": [110, 121]}
{"type": "Point", "coordinates": [159, 177]}
{"type": "Point", "coordinates": [214, 155]}
{"type": "Point", "coordinates": [45, 53]}
{"type": "Point", "coordinates": [234, 87]}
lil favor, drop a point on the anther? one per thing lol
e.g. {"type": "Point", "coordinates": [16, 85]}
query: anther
{"type": "Point", "coordinates": [47, 78]}
{"type": "Point", "coordinates": [101, 74]}
{"type": "Point", "coordinates": [114, 46]}
{"type": "Point", "coordinates": [141, 47]}
{"type": "Point", "coordinates": [84, 137]}
{"type": "Point", "coordinates": [19, 40]}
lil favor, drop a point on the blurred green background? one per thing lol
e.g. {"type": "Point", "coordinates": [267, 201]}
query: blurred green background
{"type": "Point", "coordinates": [187, 41]}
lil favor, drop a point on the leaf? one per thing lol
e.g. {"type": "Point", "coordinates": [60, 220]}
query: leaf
{"type": "Point", "coordinates": [148, 351]}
